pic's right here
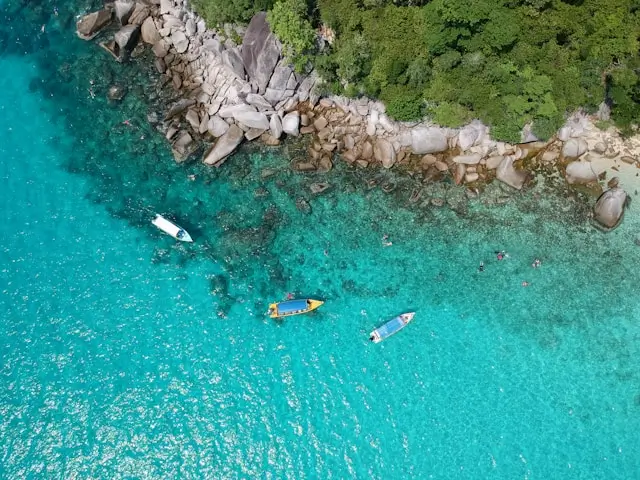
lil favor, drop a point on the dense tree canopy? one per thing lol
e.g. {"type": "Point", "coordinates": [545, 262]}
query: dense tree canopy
{"type": "Point", "coordinates": [506, 62]}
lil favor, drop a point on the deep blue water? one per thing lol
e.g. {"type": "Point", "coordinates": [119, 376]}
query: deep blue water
{"type": "Point", "coordinates": [126, 355]}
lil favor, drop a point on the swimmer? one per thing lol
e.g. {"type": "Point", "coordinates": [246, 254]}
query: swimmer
{"type": "Point", "coordinates": [191, 177]}
{"type": "Point", "coordinates": [126, 122]}
{"type": "Point", "coordinates": [536, 263]}
{"type": "Point", "coordinates": [525, 284]}
{"type": "Point", "coordinates": [289, 296]}
{"type": "Point", "coordinates": [385, 241]}
{"type": "Point", "coordinates": [481, 267]}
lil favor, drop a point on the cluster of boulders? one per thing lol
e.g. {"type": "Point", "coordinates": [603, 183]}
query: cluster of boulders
{"type": "Point", "coordinates": [234, 92]}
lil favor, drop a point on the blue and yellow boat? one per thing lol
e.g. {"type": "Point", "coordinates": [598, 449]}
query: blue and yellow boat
{"type": "Point", "coordinates": [293, 307]}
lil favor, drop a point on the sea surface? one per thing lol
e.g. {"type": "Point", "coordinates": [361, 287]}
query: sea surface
{"type": "Point", "coordinates": [126, 355]}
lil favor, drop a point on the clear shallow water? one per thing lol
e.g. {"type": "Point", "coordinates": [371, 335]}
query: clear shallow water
{"type": "Point", "coordinates": [125, 355]}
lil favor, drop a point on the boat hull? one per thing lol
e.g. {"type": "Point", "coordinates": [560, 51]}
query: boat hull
{"type": "Point", "coordinates": [172, 229]}
{"type": "Point", "coordinates": [293, 307]}
{"type": "Point", "coordinates": [392, 327]}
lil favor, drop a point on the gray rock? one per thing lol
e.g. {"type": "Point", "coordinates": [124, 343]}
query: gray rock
{"type": "Point", "coordinates": [213, 45]}
{"type": "Point", "coordinates": [580, 172]}
{"type": "Point", "coordinates": [193, 118]}
{"type": "Point", "coordinates": [467, 138]}
{"type": "Point", "coordinates": [232, 59]}
{"type": "Point", "coordinates": [253, 133]}
{"type": "Point", "coordinates": [232, 110]}
{"type": "Point", "coordinates": [509, 175]}
{"type": "Point", "coordinates": [609, 208]}
{"type": "Point", "coordinates": [260, 51]}
{"type": "Point", "coordinates": [124, 41]}
{"type": "Point", "coordinates": [224, 147]}
{"type": "Point", "coordinates": [149, 32]}
{"type": "Point", "coordinates": [217, 126]}
{"type": "Point", "coordinates": [179, 107]}
{"type": "Point", "coordinates": [604, 112]}
{"type": "Point", "coordinates": [274, 96]}
{"type": "Point", "coordinates": [384, 152]}
{"type": "Point", "coordinates": [494, 161]}
{"type": "Point", "coordinates": [140, 14]}
{"type": "Point", "coordinates": [386, 123]}
{"type": "Point", "coordinates": [183, 147]}
{"type": "Point", "coordinates": [190, 27]}
{"type": "Point", "coordinates": [574, 147]}
{"type": "Point", "coordinates": [165, 6]}
{"type": "Point", "coordinates": [180, 41]}
{"type": "Point", "coordinates": [564, 133]}
{"type": "Point", "coordinates": [161, 49]}
{"type": "Point", "coordinates": [280, 77]}
{"type": "Point", "coordinates": [290, 123]}
{"type": "Point", "coordinates": [275, 126]}
{"type": "Point", "coordinates": [306, 86]}
{"type": "Point", "coordinates": [123, 10]}
{"type": "Point", "coordinates": [427, 140]}
{"type": "Point", "coordinates": [90, 25]}
{"type": "Point", "coordinates": [252, 120]}
{"type": "Point", "coordinates": [472, 159]}
{"type": "Point", "coordinates": [258, 101]}
{"type": "Point", "coordinates": [172, 23]}
{"type": "Point", "coordinates": [161, 67]}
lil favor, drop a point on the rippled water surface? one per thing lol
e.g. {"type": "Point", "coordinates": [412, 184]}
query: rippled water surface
{"type": "Point", "coordinates": [126, 355]}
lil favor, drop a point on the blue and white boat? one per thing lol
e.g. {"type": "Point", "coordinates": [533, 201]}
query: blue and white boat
{"type": "Point", "coordinates": [392, 326]}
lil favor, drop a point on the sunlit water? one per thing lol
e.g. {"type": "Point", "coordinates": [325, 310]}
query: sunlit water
{"type": "Point", "coordinates": [127, 355]}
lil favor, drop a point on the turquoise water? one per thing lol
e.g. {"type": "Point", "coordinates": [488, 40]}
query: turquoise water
{"type": "Point", "coordinates": [126, 355]}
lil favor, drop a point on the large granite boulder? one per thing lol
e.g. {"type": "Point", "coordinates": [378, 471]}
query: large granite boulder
{"type": "Point", "coordinates": [149, 32]}
{"type": "Point", "coordinates": [580, 172]}
{"type": "Point", "coordinates": [123, 10]}
{"type": "Point", "coordinates": [126, 39]}
{"type": "Point", "coordinates": [224, 147]}
{"type": "Point", "coordinates": [290, 123]}
{"type": "Point", "coordinates": [140, 13]}
{"type": "Point", "coordinates": [180, 41]}
{"type": "Point", "coordinates": [217, 126]}
{"type": "Point", "coordinates": [574, 147]}
{"type": "Point", "coordinates": [383, 152]}
{"type": "Point", "coordinates": [232, 59]}
{"type": "Point", "coordinates": [123, 43]}
{"type": "Point", "coordinates": [609, 208]}
{"type": "Point", "coordinates": [468, 137]}
{"type": "Point", "coordinates": [90, 25]}
{"type": "Point", "coordinates": [507, 174]}
{"type": "Point", "coordinates": [275, 126]}
{"type": "Point", "coordinates": [260, 51]}
{"type": "Point", "coordinates": [252, 119]}
{"type": "Point", "coordinates": [427, 140]}
{"type": "Point", "coordinates": [183, 147]}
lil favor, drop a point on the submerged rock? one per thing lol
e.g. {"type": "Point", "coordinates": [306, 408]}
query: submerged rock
{"type": "Point", "coordinates": [116, 92]}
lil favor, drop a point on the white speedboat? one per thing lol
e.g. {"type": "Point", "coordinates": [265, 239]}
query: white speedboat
{"type": "Point", "coordinates": [172, 229]}
{"type": "Point", "coordinates": [392, 326]}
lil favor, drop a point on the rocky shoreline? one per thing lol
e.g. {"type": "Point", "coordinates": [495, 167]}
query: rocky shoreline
{"type": "Point", "coordinates": [233, 92]}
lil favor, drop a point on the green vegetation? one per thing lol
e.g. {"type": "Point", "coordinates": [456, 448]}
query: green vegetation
{"type": "Point", "coordinates": [506, 62]}
{"type": "Point", "coordinates": [288, 20]}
